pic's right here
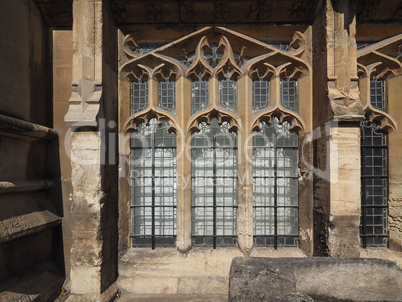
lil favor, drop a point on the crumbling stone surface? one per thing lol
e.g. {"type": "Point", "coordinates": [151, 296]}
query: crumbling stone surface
{"type": "Point", "coordinates": [314, 279]}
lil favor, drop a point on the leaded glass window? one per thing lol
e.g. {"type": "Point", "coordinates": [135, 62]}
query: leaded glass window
{"type": "Point", "coordinates": [275, 185]}
{"type": "Point", "coordinates": [228, 93]}
{"type": "Point", "coordinates": [377, 95]}
{"type": "Point", "coordinates": [214, 185]}
{"type": "Point", "coordinates": [374, 182]}
{"type": "Point", "coordinates": [167, 95]}
{"type": "Point", "coordinates": [199, 98]}
{"type": "Point", "coordinates": [153, 185]}
{"type": "Point", "coordinates": [260, 94]}
{"type": "Point", "coordinates": [289, 99]}
{"type": "Point", "coordinates": [139, 96]}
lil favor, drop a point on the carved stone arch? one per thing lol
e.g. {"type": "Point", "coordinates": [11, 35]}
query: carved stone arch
{"type": "Point", "coordinates": [383, 119]}
{"type": "Point", "coordinates": [279, 62]}
{"type": "Point", "coordinates": [131, 124]}
{"type": "Point", "coordinates": [228, 64]}
{"type": "Point", "coordinates": [130, 47]}
{"type": "Point", "coordinates": [298, 44]}
{"type": "Point", "coordinates": [387, 64]}
{"type": "Point", "coordinates": [362, 71]}
{"type": "Point", "coordinates": [200, 64]}
{"type": "Point", "coordinates": [296, 121]}
{"type": "Point", "coordinates": [206, 116]}
{"type": "Point", "coordinates": [154, 64]}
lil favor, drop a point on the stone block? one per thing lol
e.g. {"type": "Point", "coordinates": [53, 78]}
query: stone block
{"type": "Point", "coordinates": [155, 286]}
{"type": "Point", "coordinates": [85, 279]}
{"type": "Point", "coordinates": [322, 279]}
{"type": "Point", "coordinates": [206, 285]}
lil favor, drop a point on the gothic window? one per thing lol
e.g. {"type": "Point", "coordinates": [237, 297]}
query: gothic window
{"type": "Point", "coordinates": [260, 94]}
{"type": "Point", "coordinates": [167, 94]}
{"type": "Point", "coordinates": [214, 185]}
{"type": "Point", "coordinates": [275, 185]}
{"type": "Point", "coordinates": [374, 182]}
{"type": "Point", "coordinates": [377, 95]}
{"type": "Point", "coordinates": [139, 96]}
{"type": "Point", "coordinates": [153, 185]}
{"type": "Point", "coordinates": [199, 98]}
{"type": "Point", "coordinates": [289, 98]}
{"type": "Point", "coordinates": [211, 71]}
{"type": "Point", "coordinates": [228, 93]}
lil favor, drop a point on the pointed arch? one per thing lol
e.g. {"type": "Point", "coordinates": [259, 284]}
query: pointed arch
{"type": "Point", "coordinates": [207, 115]}
{"type": "Point", "coordinates": [296, 121]}
{"type": "Point", "coordinates": [131, 124]}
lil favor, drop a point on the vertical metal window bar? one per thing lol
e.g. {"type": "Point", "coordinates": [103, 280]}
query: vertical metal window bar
{"type": "Point", "coordinates": [377, 95]}
{"type": "Point", "coordinates": [139, 96]}
{"type": "Point", "coordinates": [167, 95]}
{"type": "Point", "coordinates": [275, 185]}
{"type": "Point", "coordinates": [289, 98]}
{"type": "Point", "coordinates": [374, 182]}
{"type": "Point", "coordinates": [214, 185]}
{"type": "Point", "coordinates": [260, 94]}
{"type": "Point", "coordinates": [153, 185]}
{"type": "Point", "coordinates": [228, 93]}
{"type": "Point", "coordinates": [199, 100]}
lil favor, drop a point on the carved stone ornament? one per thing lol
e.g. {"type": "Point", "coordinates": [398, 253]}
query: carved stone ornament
{"type": "Point", "coordinates": [214, 52]}
{"type": "Point", "coordinates": [383, 60]}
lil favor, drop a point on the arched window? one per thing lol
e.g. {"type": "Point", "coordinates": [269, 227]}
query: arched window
{"type": "Point", "coordinates": [260, 94]}
{"type": "Point", "coordinates": [289, 97]}
{"type": "Point", "coordinates": [167, 94]}
{"type": "Point", "coordinates": [139, 96]}
{"type": "Point", "coordinates": [374, 182]}
{"type": "Point", "coordinates": [153, 185]}
{"type": "Point", "coordinates": [275, 185]}
{"type": "Point", "coordinates": [199, 97]}
{"type": "Point", "coordinates": [214, 185]}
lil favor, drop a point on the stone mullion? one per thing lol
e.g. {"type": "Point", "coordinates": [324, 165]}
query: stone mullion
{"type": "Point", "coordinates": [213, 92]}
{"type": "Point", "coordinates": [183, 95]}
{"type": "Point", "coordinates": [364, 87]}
{"type": "Point", "coordinates": [153, 92]}
{"type": "Point", "coordinates": [275, 91]}
{"type": "Point", "coordinates": [245, 166]}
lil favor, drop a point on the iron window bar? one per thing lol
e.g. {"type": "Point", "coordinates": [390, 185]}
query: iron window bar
{"type": "Point", "coordinates": [267, 206]}
{"type": "Point", "coordinates": [289, 96]}
{"type": "Point", "coordinates": [223, 212]}
{"type": "Point", "coordinates": [260, 94]}
{"type": "Point", "coordinates": [377, 93]}
{"type": "Point", "coordinates": [374, 182]}
{"type": "Point", "coordinates": [153, 190]}
{"type": "Point", "coordinates": [199, 100]}
{"type": "Point", "coordinates": [167, 95]}
{"type": "Point", "coordinates": [139, 96]}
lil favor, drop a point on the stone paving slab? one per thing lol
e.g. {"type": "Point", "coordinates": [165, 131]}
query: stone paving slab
{"type": "Point", "coordinates": [173, 298]}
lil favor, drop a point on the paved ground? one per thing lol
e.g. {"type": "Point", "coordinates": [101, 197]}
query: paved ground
{"type": "Point", "coordinates": [174, 298]}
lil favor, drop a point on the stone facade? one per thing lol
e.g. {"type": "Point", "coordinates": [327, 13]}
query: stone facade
{"type": "Point", "coordinates": [65, 118]}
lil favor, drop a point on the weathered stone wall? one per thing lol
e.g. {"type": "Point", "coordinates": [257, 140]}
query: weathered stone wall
{"type": "Point", "coordinates": [62, 72]}
{"type": "Point", "coordinates": [31, 208]}
{"type": "Point", "coordinates": [394, 85]}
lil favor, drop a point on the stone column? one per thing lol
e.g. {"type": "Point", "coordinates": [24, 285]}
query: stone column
{"type": "Point", "coordinates": [245, 167]}
{"type": "Point", "coordinates": [92, 116]}
{"type": "Point", "coordinates": [337, 111]}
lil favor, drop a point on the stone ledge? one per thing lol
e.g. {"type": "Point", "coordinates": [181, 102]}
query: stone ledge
{"type": "Point", "coordinates": [108, 295]}
{"type": "Point", "coordinates": [322, 279]}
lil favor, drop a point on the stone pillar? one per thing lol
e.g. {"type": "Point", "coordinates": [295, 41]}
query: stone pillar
{"type": "Point", "coordinates": [91, 116]}
{"type": "Point", "coordinates": [337, 111]}
{"type": "Point", "coordinates": [245, 168]}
